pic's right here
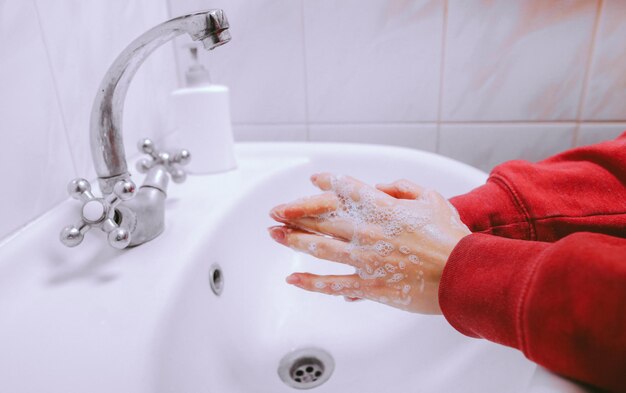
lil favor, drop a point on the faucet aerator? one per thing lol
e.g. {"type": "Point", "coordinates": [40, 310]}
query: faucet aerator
{"type": "Point", "coordinates": [214, 40]}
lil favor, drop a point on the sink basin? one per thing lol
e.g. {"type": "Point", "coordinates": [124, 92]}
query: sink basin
{"type": "Point", "coordinates": [95, 319]}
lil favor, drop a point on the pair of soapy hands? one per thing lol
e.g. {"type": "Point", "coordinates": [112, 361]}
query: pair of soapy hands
{"type": "Point", "coordinates": [398, 237]}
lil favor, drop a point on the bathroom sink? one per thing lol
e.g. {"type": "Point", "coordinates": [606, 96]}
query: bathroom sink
{"type": "Point", "coordinates": [97, 319]}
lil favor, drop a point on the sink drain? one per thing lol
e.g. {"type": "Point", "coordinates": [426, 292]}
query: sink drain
{"type": "Point", "coordinates": [306, 368]}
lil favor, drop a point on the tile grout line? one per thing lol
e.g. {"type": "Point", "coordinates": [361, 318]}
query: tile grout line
{"type": "Point", "coordinates": [442, 64]}
{"type": "Point", "coordinates": [587, 75]}
{"type": "Point", "coordinates": [56, 87]}
{"type": "Point", "coordinates": [306, 74]}
{"type": "Point", "coordinates": [415, 123]}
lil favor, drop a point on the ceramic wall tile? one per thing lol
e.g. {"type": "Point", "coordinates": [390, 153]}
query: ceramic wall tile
{"type": "Point", "coordinates": [270, 132]}
{"type": "Point", "coordinates": [417, 136]}
{"type": "Point", "coordinates": [606, 92]}
{"type": "Point", "coordinates": [487, 145]}
{"type": "Point", "coordinates": [36, 162]}
{"type": "Point", "coordinates": [373, 61]}
{"type": "Point", "coordinates": [591, 133]}
{"type": "Point", "coordinates": [516, 60]}
{"type": "Point", "coordinates": [83, 38]}
{"type": "Point", "coordinates": [263, 64]}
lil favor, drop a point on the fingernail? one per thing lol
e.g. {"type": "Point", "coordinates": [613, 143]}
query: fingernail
{"type": "Point", "coordinates": [277, 234]}
{"type": "Point", "coordinates": [293, 279]}
{"type": "Point", "coordinates": [278, 211]}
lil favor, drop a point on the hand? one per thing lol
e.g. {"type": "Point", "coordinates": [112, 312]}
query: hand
{"type": "Point", "coordinates": [397, 236]}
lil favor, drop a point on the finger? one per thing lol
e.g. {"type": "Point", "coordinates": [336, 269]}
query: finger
{"type": "Point", "coordinates": [316, 245]}
{"type": "Point", "coordinates": [339, 285]}
{"type": "Point", "coordinates": [346, 187]}
{"type": "Point", "coordinates": [332, 249]}
{"type": "Point", "coordinates": [306, 207]}
{"type": "Point", "coordinates": [402, 189]}
{"type": "Point", "coordinates": [351, 286]}
{"type": "Point", "coordinates": [323, 181]}
{"type": "Point", "coordinates": [339, 228]}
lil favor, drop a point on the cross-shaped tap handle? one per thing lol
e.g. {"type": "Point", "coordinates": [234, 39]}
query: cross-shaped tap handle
{"type": "Point", "coordinates": [98, 213]}
{"type": "Point", "coordinates": [171, 162]}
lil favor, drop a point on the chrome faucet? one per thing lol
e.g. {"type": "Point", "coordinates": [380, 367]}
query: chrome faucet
{"type": "Point", "coordinates": [131, 217]}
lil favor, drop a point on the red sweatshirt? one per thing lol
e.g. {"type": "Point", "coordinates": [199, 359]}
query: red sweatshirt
{"type": "Point", "coordinates": [552, 281]}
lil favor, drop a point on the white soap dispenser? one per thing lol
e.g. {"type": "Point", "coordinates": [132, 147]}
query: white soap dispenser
{"type": "Point", "coordinates": [201, 114]}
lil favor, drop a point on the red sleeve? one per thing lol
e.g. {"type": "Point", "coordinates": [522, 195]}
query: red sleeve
{"type": "Point", "coordinates": [563, 304]}
{"type": "Point", "coordinates": [579, 190]}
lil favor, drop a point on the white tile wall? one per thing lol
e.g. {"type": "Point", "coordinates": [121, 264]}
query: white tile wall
{"type": "Point", "coordinates": [80, 54]}
{"type": "Point", "coordinates": [487, 145]}
{"type": "Point", "coordinates": [516, 60]}
{"type": "Point", "coordinates": [36, 161]}
{"type": "Point", "coordinates": [52, 58]}
{"type": "Point", "coordinates": [372, 61]}
{"type": "Point", "coordinates": [479, 81]}
{"type": "Point", "coordinates": [591, 133]}
{"type": "Point", "coordinates": [263, 64]}
{"type": "Point", "coordinates": [417, 136]}
{"type": "Point", "coordinates": [373, 71]}
{"type": "Point", "coordinates": [270, 132]}
{"type": "Point", "coordinates": [606, 95]}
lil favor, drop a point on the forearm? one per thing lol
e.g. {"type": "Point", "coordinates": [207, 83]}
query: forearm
{"type": "Point", "coordinates": [582, 189]}
{"type": "Point", "coordinates": [561, 303]}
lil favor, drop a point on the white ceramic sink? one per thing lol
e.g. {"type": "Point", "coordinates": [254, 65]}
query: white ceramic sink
{"type": "Point", "coordinates": [93, 319]}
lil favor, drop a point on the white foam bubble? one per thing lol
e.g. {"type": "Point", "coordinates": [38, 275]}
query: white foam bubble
{"type": "Point", "coordinates": [392, 229]}
{"type": "Point", "coordinates": [383, 248]}
{"type": "Point", "coordinates": [374, 218]}
{"type": "Point", "coordinates": [380, 272]}
{"type": "Point", "coordinates": [396, 277]}
{"type": "Point", "coordinates": [365, 207]}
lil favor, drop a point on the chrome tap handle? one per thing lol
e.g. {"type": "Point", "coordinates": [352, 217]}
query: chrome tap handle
{"type": "Point", "coordinates": [98, 213]}
{"type": "Point", "coordinates": [171, 162]}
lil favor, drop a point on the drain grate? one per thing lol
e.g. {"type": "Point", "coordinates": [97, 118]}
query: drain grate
{"type": "Point", "coordinates": [306, 368]}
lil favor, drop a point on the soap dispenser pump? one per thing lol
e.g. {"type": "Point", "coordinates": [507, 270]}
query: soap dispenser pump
{"type": "Point", "coordinates": [201, 114]}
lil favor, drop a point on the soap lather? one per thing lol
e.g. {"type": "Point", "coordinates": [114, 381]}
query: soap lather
{"type": "Point", "coordinates": [201, 114]}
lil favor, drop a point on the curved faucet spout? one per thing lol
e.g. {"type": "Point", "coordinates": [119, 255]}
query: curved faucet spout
{"type": "Point", "coordinates": [107, 145]}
